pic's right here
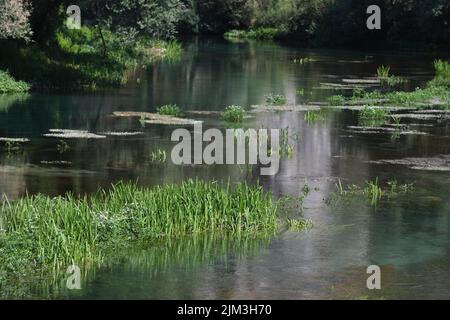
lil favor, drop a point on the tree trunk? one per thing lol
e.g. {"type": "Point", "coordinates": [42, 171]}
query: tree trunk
{"type": "Point", "coordinates": [103, 40]}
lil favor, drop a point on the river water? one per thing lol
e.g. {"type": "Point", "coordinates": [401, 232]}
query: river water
{"type": "Point", "coordinates": [408, 236]}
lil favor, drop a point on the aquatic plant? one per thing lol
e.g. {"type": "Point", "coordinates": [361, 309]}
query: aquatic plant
{"type": "Point", "coordinates": [170, 110]}
{"type": "Point", "coordinates": [297, 225]}
{"type": "Point", "coordinates": [234, 114]}
{"type": "Point", "coordinates": [286, 149]}
{"type": "Point", "coordinates": [76, 59]}
{"type": "Point", "coordinates": [314, 116]}
{"type": "Point", "coordinates": [275, 99]}
{"type": "Point", "coordinates": [10, 85]}
{"type": "Point", "coordinates": [13, 146]}
{"type": "Point", "coordinates": [50, 233]}
{"type": "Point", "coordinates": [62, 146]}
{"type": "Point", "coordinates": [336, 100]}
{"type": "Point", "coordinates": [372, 116]}
{"type": "Point", "coordinates": [383, 71]}
{"type": "Point", "coordinates": [159, 155]}
{"type": "Point", "coordinates": [393, 81]}
{"type": "Point", "coordinates": [373, 192]}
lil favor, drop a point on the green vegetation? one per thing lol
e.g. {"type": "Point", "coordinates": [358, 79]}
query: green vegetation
{"type": "Point", "coordinates": [43, 235]}
{"type": "Point", "coordinates": [159, 155]}
{"type": "Point", "coordinates": [13, 147]}
{"type": "Point", "coordinates": [170, 110]}
{"type": "Point", "coordinates": [297, 225]}
{"type": "Point", "coordinates": [62, 146]}
{"type": "Point", "coordinates": [287, 150]}
{"type": "Point", "coordinates": [372, 192]}
{"type": "Point", "coordinates": [372, 116]}
{"type": "Point", "coordinates": [383, 71]}
{"type": "Point", "coordinates": [336, 100]}
{"type": "Point", "coordinates": [442, 68]}
{"type": "Point", "coordinates": [257, 34]}
{"type": "Point", "coordinates": [234, 114]}
{"type": "Point", "coordinates": [442, 74]}
{"type": "Point", "coordinates": [315, 116]}
{"type": "Point", "coordinates": [437, 91]}
{"type": "Point", "coordinates": [9, 85]}
{"type": "Point", "coordinates": [386, 78]}
{"type": "Point", "coordinates": [275, 99]}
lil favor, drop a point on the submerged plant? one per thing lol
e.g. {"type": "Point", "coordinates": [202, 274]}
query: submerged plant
{"type": "Point", "coordinates": [234, 114]}
{"type": "Point", "coordinates": [297, 225]}
{"type": "Point", "coordinates": [13, 147]}
{"type": "Point", "coordinates": [373, 192]}
{"type": "Point", "coordinates": [275, 99]}
{"type": "Point", "coordinates": [44, 234]}
{"type": "Point", "coordinates": [62, 146]}
{"type": "Point", "coordinates": [372, 116]}
{"type": "Point", "coordinates": [336, 100]}
{"type": "Point", "coordinates": [383, 71]}
{"type": "Point", "coordinates": [314, 116]}
{"type": "Point", "coordinates": [159, 155]}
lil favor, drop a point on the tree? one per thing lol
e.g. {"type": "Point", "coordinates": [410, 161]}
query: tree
{"type": "Point", "coordinates": [219, 16]}
{"type": "Point", "coordinates": [14, 19]}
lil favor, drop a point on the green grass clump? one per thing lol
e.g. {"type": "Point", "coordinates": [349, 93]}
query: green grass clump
{"type": "Point", "coordinates": [76, 59]}
{"type": "Point", "coordinates": [383, 71]}
{"type": "Point", "coordinates": [275, 99]}
{"type": "Point", "coordinates": [373, 192]}
{"type": "Point", "coordinates": [297, 225]}
{"type": "Point", "coordinates": [9, 85]}
{"type": "Point", "coordinates": [258, 34]}
{"type": "Point", "coordinates": [442, 68]}
{"type": "Point", "coordinates": [170, 110]}
{"type": "Point", "coordinates": [315, 116]}
{"type": "Point", "coordinates": [51, 233]}
{"type": "Point", "coordinates": [234, 114]}
{"type": "Point", "coordinates": [372, 116]}
{"type": "Point", "coordinates": [336, 100]}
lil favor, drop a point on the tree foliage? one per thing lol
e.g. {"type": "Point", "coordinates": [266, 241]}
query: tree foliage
{"type": "Point", "coordinates": [14, 19]}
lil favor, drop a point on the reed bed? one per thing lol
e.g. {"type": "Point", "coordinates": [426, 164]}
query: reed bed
{"type": "Point", "coordinates": [52, 233]}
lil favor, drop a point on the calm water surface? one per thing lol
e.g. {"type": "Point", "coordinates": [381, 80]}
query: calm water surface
{"type": "Point", "coordinates": [409, 237]}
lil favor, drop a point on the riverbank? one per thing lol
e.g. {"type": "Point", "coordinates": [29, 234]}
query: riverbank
{"type": "Point", "coordinates": [81, 60]}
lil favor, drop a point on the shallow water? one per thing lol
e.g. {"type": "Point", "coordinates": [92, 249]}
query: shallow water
{"type": "Point", "coordinates": [409, 236]}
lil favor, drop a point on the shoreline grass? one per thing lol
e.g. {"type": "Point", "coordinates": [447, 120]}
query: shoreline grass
{"type": "Point", "coordinates": [41, 235]}
{"type": "Point", "coordinates": [10, 85]}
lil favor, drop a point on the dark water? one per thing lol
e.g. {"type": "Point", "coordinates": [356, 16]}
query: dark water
{"type": "Point", "coordinates": [409, 236]}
